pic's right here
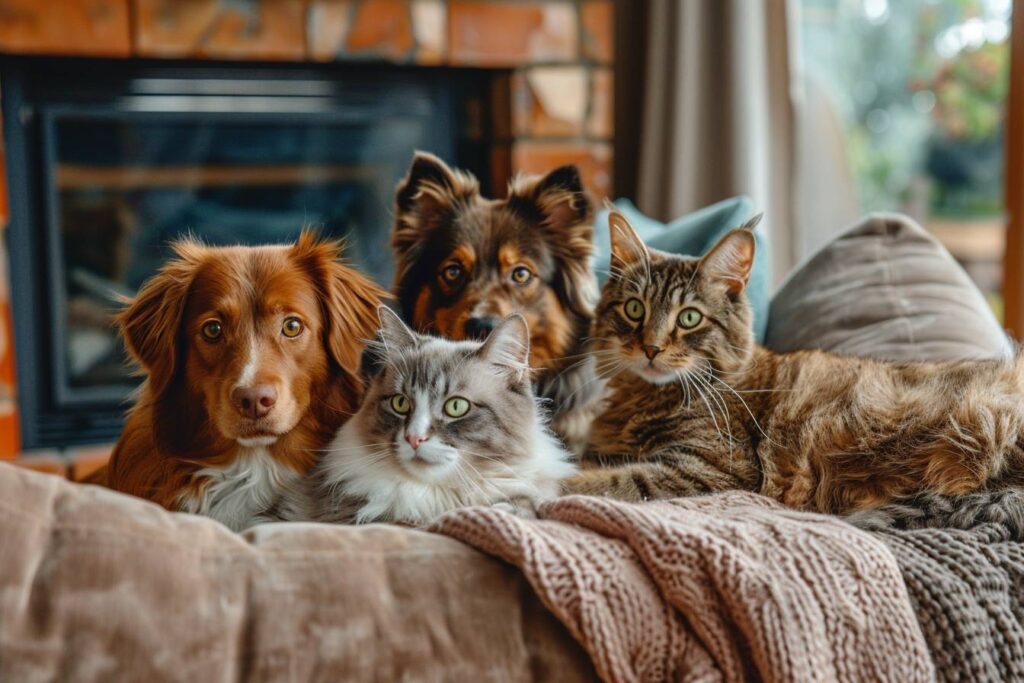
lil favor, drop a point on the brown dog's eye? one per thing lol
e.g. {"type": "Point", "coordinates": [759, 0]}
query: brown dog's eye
{"type": "Point", "coordinates": [212, 330]}
{"type": "Point", "coordinates": [292, 327]}
{"type": "Point", "coordinates": [452, 273]}
{"type": "Point", "coordinates": [521, 275]}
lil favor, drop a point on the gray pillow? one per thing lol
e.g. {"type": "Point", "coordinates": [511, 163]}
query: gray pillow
{"type": "Point", "coordinates": [885, 288]}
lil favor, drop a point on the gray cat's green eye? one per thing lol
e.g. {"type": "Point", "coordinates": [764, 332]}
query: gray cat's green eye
{"type": "Point", "coordinates": [400, 404]}
{"type": "Point", "coordinates": [689, 318]}
{"type": "Point", "coordinates": [634, 309]}
{"type": "Point", "coordinates": [456, 406]}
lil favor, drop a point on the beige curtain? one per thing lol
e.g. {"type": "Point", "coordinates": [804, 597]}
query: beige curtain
{"type": "Point", "coordinates": [723, 105]}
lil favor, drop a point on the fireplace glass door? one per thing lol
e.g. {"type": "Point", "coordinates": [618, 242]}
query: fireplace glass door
{"type": "Point", "coordinates": [226, 160]}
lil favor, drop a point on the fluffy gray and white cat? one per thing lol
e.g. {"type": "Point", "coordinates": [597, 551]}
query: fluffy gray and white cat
{"type": "Point", "coordinates": [443, 424]}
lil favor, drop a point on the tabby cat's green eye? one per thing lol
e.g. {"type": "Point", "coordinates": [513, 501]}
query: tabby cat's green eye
{"type": "Point", "coordinates": [456, 406]}
{"type": "Point", "coordinates": [689, 318]}
{"type": "Point", "coordinates": [634, 309]}
{"type": "Point", "coordinates": [400, 404]}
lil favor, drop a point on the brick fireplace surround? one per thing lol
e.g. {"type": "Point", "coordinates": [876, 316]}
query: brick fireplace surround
{"type": "Point", "coordinates": [551, 86]}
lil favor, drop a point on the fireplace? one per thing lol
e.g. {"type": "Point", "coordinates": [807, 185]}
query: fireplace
{"type": "Point", "coordinates": [109, 162]}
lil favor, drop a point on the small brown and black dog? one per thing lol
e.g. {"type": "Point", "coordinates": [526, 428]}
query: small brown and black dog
{"type": "Point", "coordinates": [251, 358]}
{"type": "Point", "coordinates": [464, 262]}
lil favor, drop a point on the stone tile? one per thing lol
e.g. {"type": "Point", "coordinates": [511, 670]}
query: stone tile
{"type": "Point", "coordinates": [594, 160]}
{"type": "Point", "coordinates": [327, 26]}
{"type": "Point", "coordinates": [598, 39]}
{"type": "Point", "coordinates": [86, 460]}
{"type": "Point", "coordinates": [511, 34]}
{"type": "Point", "coordinates": [65, 27]}
{"type": "Point", "coordinates": [550, 101]}
{"type": "Point", "coordinates": [382, 28]}
{"type": "Point", "coordinates": [224, 29]}
{"type": "Point", "coordinates": [430, 27]}
{"type": "Point", "coordinates": [600, 121]}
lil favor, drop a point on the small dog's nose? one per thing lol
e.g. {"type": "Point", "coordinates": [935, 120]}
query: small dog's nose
{"type": "Point", "coordinates": [650, 350]}
{"type": "Point", "coordinates": [478, 328]}
{"type": "Point", "coordinates": [254, 402]}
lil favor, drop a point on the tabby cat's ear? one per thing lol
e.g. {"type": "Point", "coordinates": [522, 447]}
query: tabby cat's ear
{"type": "Point", "coordinates": [627, 247]}
{"type": "Point", "coordinates": [731, 260]}
{"type": "Point", "coordinates": [508, 346]}
{"type": "Point", "coordinates": [393, 332]}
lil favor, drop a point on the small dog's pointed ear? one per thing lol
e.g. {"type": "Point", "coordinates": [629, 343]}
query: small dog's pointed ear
{"type": "Point", "coordinates": [557, 199]}
{"type": "Point", "coordinates": [151, 324]}
{"type": "Point", "coordinates": [425, 169]}
{"type": "Point", "coordinates": [559, 205]}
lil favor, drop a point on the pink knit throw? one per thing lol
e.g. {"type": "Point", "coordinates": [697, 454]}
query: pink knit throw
{"type": "Point", "coordinates": [727, 587]}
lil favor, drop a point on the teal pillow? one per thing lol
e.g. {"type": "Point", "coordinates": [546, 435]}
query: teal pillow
{"type": "Point", "coordinates": [694, 234]}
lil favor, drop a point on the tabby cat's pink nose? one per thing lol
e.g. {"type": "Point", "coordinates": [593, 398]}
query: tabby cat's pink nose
{"type": "Point", "coordinates": [415, 440]}
{"type": "Point", "coordinates": [650, 350]}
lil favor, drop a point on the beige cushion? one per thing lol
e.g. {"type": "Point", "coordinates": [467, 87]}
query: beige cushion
{"type": "Point", "coordinates": [885, 288]}
{"type": "Point", "coordinates": [98, 586]}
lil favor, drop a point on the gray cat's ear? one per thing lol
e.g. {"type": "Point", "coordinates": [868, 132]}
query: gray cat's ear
{"type": "Point", "coordinates": [508, 346]}
{"type": "Point", "coordinates": [627, 247]}
{"type": "Point", "coordinates": [731, 260]}
{"type": "Point", "coordinates": [393, 332]}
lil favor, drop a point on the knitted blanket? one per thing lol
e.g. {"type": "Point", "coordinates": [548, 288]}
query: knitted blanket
{"type": "Point", "coordinates": [728, 587]}
{"type": "Point", "coordinates": [967, 588]}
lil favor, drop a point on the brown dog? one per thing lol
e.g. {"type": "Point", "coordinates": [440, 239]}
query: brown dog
{"type": "Point", "coordinates": [465, 262]}
{"type": "Point", "coordinates": [251, 355]}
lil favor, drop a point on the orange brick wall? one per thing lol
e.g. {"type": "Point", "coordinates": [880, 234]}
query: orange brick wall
{"type": "Point", "coordinates": [551, 61]}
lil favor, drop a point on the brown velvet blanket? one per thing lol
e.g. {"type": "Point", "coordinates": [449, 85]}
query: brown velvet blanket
{"type": "Point", "coordinates": [729, 587]}
{"type": "Point", "coordinates": [97, 586]}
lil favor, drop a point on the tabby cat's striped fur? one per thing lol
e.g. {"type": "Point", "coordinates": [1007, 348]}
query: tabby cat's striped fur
{"type": "Point", "coordinates": [696, 406]}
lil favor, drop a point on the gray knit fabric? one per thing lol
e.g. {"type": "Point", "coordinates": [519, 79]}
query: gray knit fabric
{"type": "Point", "coordinates": [968, 590]}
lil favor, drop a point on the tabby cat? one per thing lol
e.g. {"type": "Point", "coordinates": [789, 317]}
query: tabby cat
{"type": "Point", "coordinates": [443, 424]}
{"type": "Point", "coordinates": [696, 406]}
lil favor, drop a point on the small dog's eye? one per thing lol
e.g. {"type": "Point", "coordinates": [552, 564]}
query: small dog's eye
{"type": "Point", "coordinates": [521, 275]}
{"type": "Point", "coordinates": [634, 310]}
{"type": "Point", "coordinates": [689, 318]}
{"type": "Point", "coordinates": [452, 273]}
{"type": "Point", "coordinates": [400, 404]}
{"type": "Point", "coordinates": [456, 406]}
{"type": "Point", "coordinates": [292, 327]}
{"type": "Point", "coordinates": [212, 330]}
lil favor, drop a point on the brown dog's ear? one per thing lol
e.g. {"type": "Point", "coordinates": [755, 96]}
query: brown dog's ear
{"type": "Point", "coordinates": [151, 323]}
{"type": "Point", "coordinates": [424, 200]}
{"type": "Point", "coordinates": [558, 204]}
{"type": "Point", "coordinates": [348, 298]}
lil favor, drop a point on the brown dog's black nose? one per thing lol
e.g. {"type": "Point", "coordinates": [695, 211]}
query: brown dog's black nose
{"type": "Point", "coordinates": [254, 402]}
{"type": "Point", "coordinates": [478, 328]}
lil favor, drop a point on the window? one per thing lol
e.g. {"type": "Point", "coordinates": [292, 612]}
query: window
{"type": "Point", "coordinates": [919, 88]}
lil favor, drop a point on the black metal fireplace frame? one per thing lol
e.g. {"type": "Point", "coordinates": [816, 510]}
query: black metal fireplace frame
{"type": "Point", "coordinates": [52, 414]}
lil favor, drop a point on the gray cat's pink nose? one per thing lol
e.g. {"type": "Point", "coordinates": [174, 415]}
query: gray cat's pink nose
{"type": "Point", "coordinates": [650, 350]}
{"type": "Point", "coordinates": [416, 439]}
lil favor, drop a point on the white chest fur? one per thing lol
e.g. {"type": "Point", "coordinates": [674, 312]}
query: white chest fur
{"type": "Point", "coordinates": [390, 495]}
{"type": "Point", "coordinates": [243, 492]}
